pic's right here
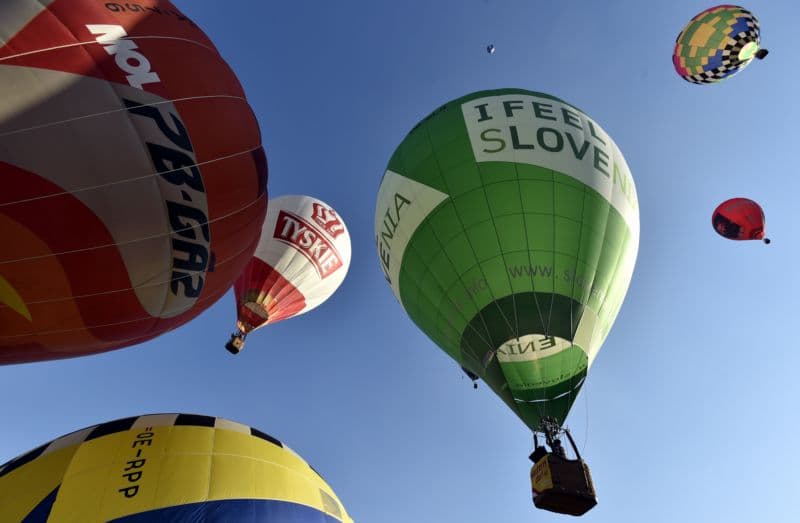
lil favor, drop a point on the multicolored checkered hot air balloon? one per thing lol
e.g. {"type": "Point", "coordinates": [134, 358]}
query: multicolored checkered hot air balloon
{"type": "Point", "coordinates": [716, 44]}
{"type": "Point", "coordinates": [300, 261]}
{"type": "Point", "coordinates": [166, 467]}
{"type": "Point", "coordinates": [134, 181]}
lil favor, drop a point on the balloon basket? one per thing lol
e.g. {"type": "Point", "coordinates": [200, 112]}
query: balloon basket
{"type": "Point", "coordinates": [563, 486]}
{"type": "Point", "coordinates": [560, 484]}
{"type": "Point", "coordinates": [235, 344]}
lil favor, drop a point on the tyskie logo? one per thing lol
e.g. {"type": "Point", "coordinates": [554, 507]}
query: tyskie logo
{"type": "Point", "coordinates": [310, 241]}
{"type": "Point", "coordinates": [327, 219]}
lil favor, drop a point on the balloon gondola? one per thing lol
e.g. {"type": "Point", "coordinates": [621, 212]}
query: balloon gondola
{"type": "Point", "coordinates": [559, 483]}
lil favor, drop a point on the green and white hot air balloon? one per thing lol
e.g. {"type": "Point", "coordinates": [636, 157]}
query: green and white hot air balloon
{"type": "Point", "coordinates": [507, 226]}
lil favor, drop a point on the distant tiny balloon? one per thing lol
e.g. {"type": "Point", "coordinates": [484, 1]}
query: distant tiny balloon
{"type": "Point", "coordinates": [739, 219]}
{"type": "Point", "coordinates": [490, 49]}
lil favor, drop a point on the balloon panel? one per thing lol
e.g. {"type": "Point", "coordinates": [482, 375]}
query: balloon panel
{"type": "Point", "coordinates": [507, 226]}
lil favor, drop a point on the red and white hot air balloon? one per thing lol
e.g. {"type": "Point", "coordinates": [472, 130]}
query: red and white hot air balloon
{"type": "Point", "coordinates": [300, 261]}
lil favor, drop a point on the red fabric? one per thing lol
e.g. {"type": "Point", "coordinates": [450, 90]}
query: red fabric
{"type": "Point", "coordinates": [31, 235]}
{"type": "Point", "coordinates": [261, 284]}
{"type": "Point", "coordinates": [177, 60]}
{"type": "Point", "coordinates": [69, 326]}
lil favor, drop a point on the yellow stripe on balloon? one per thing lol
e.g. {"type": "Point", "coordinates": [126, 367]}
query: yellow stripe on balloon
{"type": "Point", "coordinates": [10, 297]}
{"type": "Point", "coordinates": [703, 33]}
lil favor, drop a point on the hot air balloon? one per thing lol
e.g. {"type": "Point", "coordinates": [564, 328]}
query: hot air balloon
{"type": "Point", "coordinates": [134, 181]}
{"type": "Point", "coordinates": [300, 261]}
{"type": "Point", "coordinates": [716, 44]}
{"type": "Point", "coordinates": [739, 219]}
{"type": "Point", "coordinates": [166, 467]}
{"type": "Point", "coordinates": [507, 227]}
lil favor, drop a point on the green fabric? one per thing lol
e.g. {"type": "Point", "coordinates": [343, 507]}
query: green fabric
{"type": "Point", "coordinates": [515, 249]}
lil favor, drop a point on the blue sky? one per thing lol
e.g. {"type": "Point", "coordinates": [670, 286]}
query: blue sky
{"type": "Point", "coordinates": [689, 412]}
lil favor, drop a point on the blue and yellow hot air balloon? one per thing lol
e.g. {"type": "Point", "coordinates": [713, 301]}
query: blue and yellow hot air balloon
{"type": "Point", "coordinates": [166, 467]}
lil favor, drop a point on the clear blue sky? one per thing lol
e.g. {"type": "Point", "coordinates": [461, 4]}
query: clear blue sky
{"type": "Point", "coordinates": [690, 410]}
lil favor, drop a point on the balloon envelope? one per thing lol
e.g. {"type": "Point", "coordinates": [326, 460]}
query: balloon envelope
{"type": "Point", "coordinates": [134, 181]}
{"type": "Point", "coordinates": [166, 467]}
{"type": "Point", "coordinates": [507, 226]}
{"type": "Point", "coordinates": [301, 259]}
{"type": "Point", "coordinates": [716, 44]}
{"type": "Point", "coordinates": [739, 219]}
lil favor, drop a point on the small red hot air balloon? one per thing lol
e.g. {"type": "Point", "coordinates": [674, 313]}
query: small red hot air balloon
{"type": "Point", "coordinates": [301, 259]}
{"type": "Point", "coordinates": [739, 219]}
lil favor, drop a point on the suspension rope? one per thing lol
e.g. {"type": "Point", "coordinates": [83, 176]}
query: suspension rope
{"type": "Point", "coordinates": [95, 42]}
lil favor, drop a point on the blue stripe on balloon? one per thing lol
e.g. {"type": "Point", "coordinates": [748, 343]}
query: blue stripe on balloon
{"type": "Point", "coordinates": [714, 61]}
{"type": "Point", "coordinates": [739, 27]}
{"type": "Point", "coordinates": [41, 511]}
{"type": "Point", "coordinates": [233, 511]}
{"type": "Point", "coordinates": [21, 460]}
